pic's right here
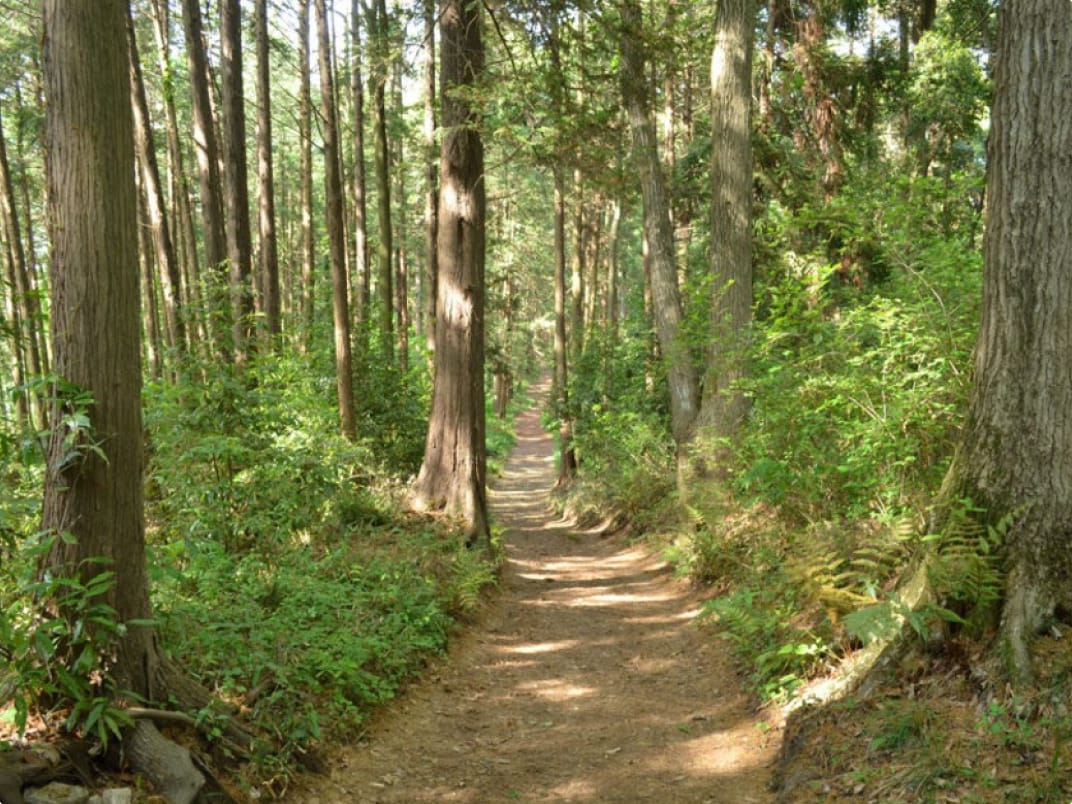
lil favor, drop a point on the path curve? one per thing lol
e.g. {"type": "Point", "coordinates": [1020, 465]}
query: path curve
{"type": "Point", "coordinates": [585, 681]}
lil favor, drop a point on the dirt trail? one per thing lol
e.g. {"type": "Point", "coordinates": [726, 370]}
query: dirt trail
{"type": "Point", "coordinates": [584, 681]}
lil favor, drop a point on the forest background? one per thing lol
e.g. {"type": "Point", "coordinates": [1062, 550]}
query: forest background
{"type": "Point", "coordinates": [824, 416]}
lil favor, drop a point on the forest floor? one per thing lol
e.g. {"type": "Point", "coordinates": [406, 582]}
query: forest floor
{"type": "Point", "coordinates": [585, 679]}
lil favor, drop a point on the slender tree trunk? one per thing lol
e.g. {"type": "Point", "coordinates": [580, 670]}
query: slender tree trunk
{"type": "Point", "coordinates": [153, 193]}
{"type": "Point", "coordinates": [97, 498]}
{"type": "Point", "coordinates": [337, 242]}
{"type": "Point", "coordinates": [401, 253]}
{"type": "Point", "coordinates": [1017, 452]}
{"type": "Point", "coordinates": [268, 247]}
{"type": "Point", "coordinates": [206, 150]}
{"type": "Point", "coordinates": [154, 350]}
{"type": "Point", "coordinates": [431, 181]}
{"type": "Point", "coordinates": [363, 289]}
{"type": "Point", "coordinates": [26, 350]}
{"type": "Point", "coordinates": [383, 179]}
{"type": "Point", "coordinates": [14, 327]}
{"type": "Point", "coordinates": [577, 270]}
{"type": "Point", "coordinates": [454, 472]}
{"type": "Point", "coordinates": [567, 467]}
{"type": "Point", "coordinates": [305, 135]}
{"type": "Point", "coordinates": [239, 239]}
{"type": "Point", "coordinates": [184, 235]}
{"type": "Point", "coordinates": [666, 299]}
{"type": "Point", "coordinates": [724, 407]}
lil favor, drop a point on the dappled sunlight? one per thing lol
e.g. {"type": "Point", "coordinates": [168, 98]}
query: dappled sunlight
{"type": "Point", "coordinates": [542, 647]}
{"type": "Point", "coordinates": [556, 689]}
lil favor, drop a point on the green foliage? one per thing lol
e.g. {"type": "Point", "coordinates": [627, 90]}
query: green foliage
{"type": "Point", "coordinates": [58, 636]}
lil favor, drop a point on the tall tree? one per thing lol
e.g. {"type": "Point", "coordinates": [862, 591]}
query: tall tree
{"type": "Point", "coordinates": [567, 465]}
{"type": "Point", "coordinates": [96, 494]}
{"type": "Point", "coordinates": [379, 33]}
{"type": "Point", "coordinates": [431, 179]}
{"type": "Point", "coordinates": [268, 248]}
{"type": "Point", "coordinates": [454, 472]}
{"type": "Point", "coordinates": [723, 407]}
{"type": "Point", "coordinates": [363, 281]}
{"type": "Point", "coordinates": [344, 372]}
{"type": "Point", "coordinates": [1017, 451]}
{"type": "Point", "coordinates": [153, 192]}
{"type": "Point", "coordinates": [206, 151]}
{"type": "Point", "coordinates": [305, 177]}
{"type": "Point", "coordinates": [239, 239]}
{"type": "Point", "coordinates": [666, 297]}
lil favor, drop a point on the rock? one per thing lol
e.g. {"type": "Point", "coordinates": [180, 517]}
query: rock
{"type": "Point", "coordinates": [56, 793]}
{"type": "Point", "coordinates": [117, 795]}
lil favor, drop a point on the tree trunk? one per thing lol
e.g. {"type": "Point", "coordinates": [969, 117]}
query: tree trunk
{"type": "Point", "coordinates": [239, 241]}
{"type": "Point", "coordinates": [567, 466]}
{"type": "Point", "coordinates": [153, 192]}
{"type": "Point", "coordinates": [454, 471]}
{"type": "Point", "coordinates": [206, 150]}
{"type": "Point", "coordinates": [337, 243]}
{"type": "Point", "coordinates": [431, 181]}
{"type": "Point", "coordinates": [666, 299]}
{"type": "Point", "coordinates": [1017, 450]}
{"type": "Point", "coordinates": [379, 33]}
{"type": "Point", "coordinates": [401, 254]}
{"type": "Point", "coordinates": [154, 350]}
{"type": "Point", "coordinates": [305, 134]}
{"type": "Point", "coordinates": [577, 271]}
{"type": "Point", "coordinates": [96, 494]}
{"type": "Point", "coordinates": [363, 289]}
{"type": "Point", "coordinates": [723, 408]}
{"type": "Point", "coordinates": [268, 248]}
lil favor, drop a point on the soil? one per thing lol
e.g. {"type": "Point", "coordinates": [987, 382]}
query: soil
{"type": "Point", "coordinates": [585, 680]}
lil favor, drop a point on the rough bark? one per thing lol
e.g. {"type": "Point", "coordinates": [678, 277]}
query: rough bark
{"type": "Point", "coordinates": [666, 298]}
{"type": "Point", "coordinates": [266, 230]}
{"type": "Point", "coordinates": [1017, 449]}
{"type": "Point", "coordinates": [236, 186]}
{"type": "Point", "coordinates": [153, 192]}
{"type": "Point", "coordinates": [454, 472]}
{"type": "Point", "coordinates": [336, 238]}
{"type": "Point", "coordinates": [94, 217]}
{"type": "Point", "coordinates": [723, 408]}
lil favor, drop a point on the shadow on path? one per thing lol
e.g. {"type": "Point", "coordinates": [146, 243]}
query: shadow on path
{"type": "Point", "coordinates": [585, 681]}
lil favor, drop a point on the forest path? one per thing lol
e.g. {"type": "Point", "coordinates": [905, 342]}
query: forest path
{"type": "Point", "coordinates": [584, 681]}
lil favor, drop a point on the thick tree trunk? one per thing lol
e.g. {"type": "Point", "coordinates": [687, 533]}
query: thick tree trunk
{"type": "Point", "coordinates": [305, 135]}
{"type": "Point", "coordinates": [268, 247]}
{"type": "Point", "coordinates": [239, 239]}
{"type": "Point", "coordinates": [1017, 450]}
{"type": "Point", "coordinates": [97, 496]}
{"type": "Point", "coordinates": [723, 407]}
{"type": "Point", "coordinates": [567, 466]}
{"type": "Point", "coordinates": [153, 192]}
{"type": "Point", "coordinates": [454, 472]}
{"type": "Point", "coordinates": [206, 151]}
{"type": "Point", "coordinates": [337, 243]}
{"type": "Point", "coordinates": [666, 298]}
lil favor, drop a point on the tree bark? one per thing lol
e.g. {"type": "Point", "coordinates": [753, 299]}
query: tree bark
{"type": "Point", "coordinates": [337, 242]}
{"type": "Point", "coordinates": [567, 466]}
{"type": "Point", "coordinates": [454, 472]}
{"type": "Point", "coordinates": [431, 181]}
{"type": "Point", "coordinates": [577, 271]}
{"type": "Point", "coordinates": [1017, 449]}
{"type": "Point", "coordinates": [305, 179]}
{"type": "Point", "coordinates": [153, 192]}
{"type": "Point", "coordinates": [236, 186]}
{"type": "Point", "coordinates": [97, 497]}
{"type": "Point", "coordinates": [723, 407]}
{"type": "Point", "coordinates": [206, 150]}
{"type": "Point", "coordinates": [385, 246]}
{"type": "Point", "coordinates": [363, 289]}
{"type": "Point", "coordinates": [666, 298]}
{"type": "Point", "coordinates": [266, 230]}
